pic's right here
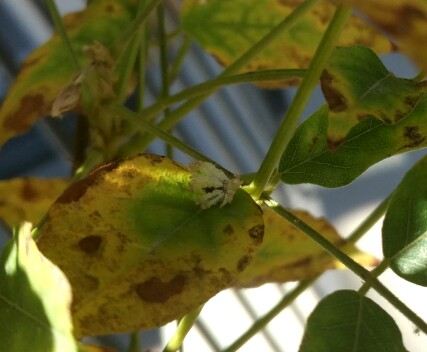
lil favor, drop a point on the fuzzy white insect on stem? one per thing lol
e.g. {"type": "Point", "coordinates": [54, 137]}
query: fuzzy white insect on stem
{"type": "Point", "coordinates": [212, 185]}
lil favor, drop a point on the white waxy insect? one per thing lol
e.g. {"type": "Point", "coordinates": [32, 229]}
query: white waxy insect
{"type": "Point", "coordinates": [212, 185]}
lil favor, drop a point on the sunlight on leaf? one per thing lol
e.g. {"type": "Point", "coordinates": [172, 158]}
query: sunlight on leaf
{"type": "Point", "coordinates": [357, 86]}
{"type": "Point", "coordinates": [35, 299]}
{"type": "Point", "coordinates": [28, 198]}
{"type": "Point", "coordinates": [307, 158]}
{"type": "Point", "coordinates": [405, 226]}
{"type": "Point", "coordinates": [347, 321]}
{"type": "Point", "coordinates": [287, 254]}
{"type": "Point", "coordinates": [227, 29]}
{"type": "Point", "coordinates": [138, 250]}
{"type": "Point", "coordinates": [49, 68]}
{"type": "Point", "coordinates": [403, 20]}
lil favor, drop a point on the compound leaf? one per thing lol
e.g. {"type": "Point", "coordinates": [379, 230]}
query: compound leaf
{"type": "Point", "coordinates": [35, 299]}
{"type": "Point", "coordinates": [227, 29]}
{"type": "Point", "coordinates": [405, 226]}
{"type": "Point", "coordinates": [138, 250]}
{"type": "Point", "coordinates": [347, 321]}
{"type": "Point", "coordinates": [287, 254]}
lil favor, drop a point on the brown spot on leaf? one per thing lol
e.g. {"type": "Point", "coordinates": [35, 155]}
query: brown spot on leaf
{"type": "Point", "coordinates": [333, 144]}
{"type": "Point", "coordinates": [257, 233]}
{"type": "Point", "coordinates": [78, 189]}
{"type": "Point", "coordinates": [335, 99]}
{"type": "Point", "coordinates": [90, 244]}
{"type": "Point", "coordinates": [30, 108]}
{"type": "Point", "coordinates": [228, 229]}
{"type": "Point", "coordinates": [404, 20]}
{"type": "Point", "coordinates": [28, 192]}
{"type": "Point", "coordinates": [156, 291]}
{"type": "Point", "coordinates": [243, 263]}
{"type": "Point", "coordinates": [411, 133]}
{"type": "Point", "coordinates": [154, 159]}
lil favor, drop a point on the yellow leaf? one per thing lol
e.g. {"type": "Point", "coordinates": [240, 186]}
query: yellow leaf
{"type": "Point", "coordinates": [287, 254]}
{"type": "Point", "coordinates": [403, 20]}
{"type": "Point", "coordinates": [28, 199]}
{"type": "Point", "coordinates": [227, 29]}
{"type": "Point", "coordinates": [139, 251]}
{"type": "Point", "coordinates": [48, 69]}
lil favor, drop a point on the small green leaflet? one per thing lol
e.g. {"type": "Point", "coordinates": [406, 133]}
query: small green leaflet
{"type": "Point", "coordinates": [405, 226]}
{"type": "Point", "coordinates": [347, 321]}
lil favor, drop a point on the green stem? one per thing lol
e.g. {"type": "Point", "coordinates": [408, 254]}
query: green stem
{"type": "Point", "coordinates": [261, 323]}
{"type": "Point", "coordinates": [59, 26]}
{"type": "Point", "coordinates": [362, 229]}
{"type": "Point", "coordinates": [283, 26]}
{"type": "Point", "coordinates": [93, 158]}
{"type": "Point", "coordinates": [370, 221]}
{"type": "Point", "coordinates": [213, 85]}
{"type": "Point", "coordinates": [163, 50]}
{"type": "Point", "coordinates": [179, 59]}
{"type": "Point", "coordinates": [360, 271]}
{"type": "Point", "coordinates": [289, 123]}
{"type": "Point", "coordinates": [197, 90]}
{"type": "Point", "coordinates": [139, 22]}
{"type": "Point", "coordinates": [141, 78]}
{"type": "Point", "coordinates": [375, 273]}
{"type": "Point", "coordinates": [135, 343]}
{"type": "Point", "coordinates": [182, 330]}
{"type": "Point", "coordinates": [153, 129]}
{"type": "Point", "coordinates": [127, 59]}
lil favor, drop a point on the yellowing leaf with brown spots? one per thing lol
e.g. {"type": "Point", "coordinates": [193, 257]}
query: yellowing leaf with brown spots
{"type": "Point", "coordinates": [49, 68]}
{"type": "Point", "coordinates": [287, 254]}
{"type": "Point", "coordinates": [403, 20]}
{"type": "Point", "coordinates": [227, 29]}
{"type": "Point", "coordinates": [138, 250]}
{"type": "Point", "coordinates": [28, 199]}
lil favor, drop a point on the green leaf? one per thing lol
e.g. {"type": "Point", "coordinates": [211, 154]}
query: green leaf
{"type": "Point", "coordinates": [138, 249]}
{"type": "Point", "coordinates": [357, 86]}
{"type": "Point", "coordinates": [405, 226]}
{"type": "Point", "coordinates": [347, 321]}
{"type": "Point", "coordinates": [227, 29]}
{"type": "Point", "coordinates": [307, 159]}
{"type": "Point", "coordinates": [35, 299]}
{"type": "Point", "coordinates": [48, 69]}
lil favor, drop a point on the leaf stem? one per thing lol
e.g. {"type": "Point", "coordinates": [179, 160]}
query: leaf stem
{"type": "Point", "coordinates": [369, 221]}
{"type": "Point", "coordinates": [179, 58]}
{"type": "Point", "coordinates": [283, 26]}
{"type": "Point", "coordinates": [289, 123]}
{"type": "Point", "coordinates": [59, 26]}
{"type": "Point", "coordinates": [153, 129]}
{"type": "Point", "coordinates": [363, 290]}
{"type": "Point", "coordinates": [135, 343]}
{"type": "Point", "coordinates": [139, 21]}
{"type": "Point", "coordinates": [182, 330]}
{"type": "Point", "coordinates": [198, 90]}
{"type": "Point", "coordinates": [360, 271]}
{"type": "Point", "coordinates": [261, 323]}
